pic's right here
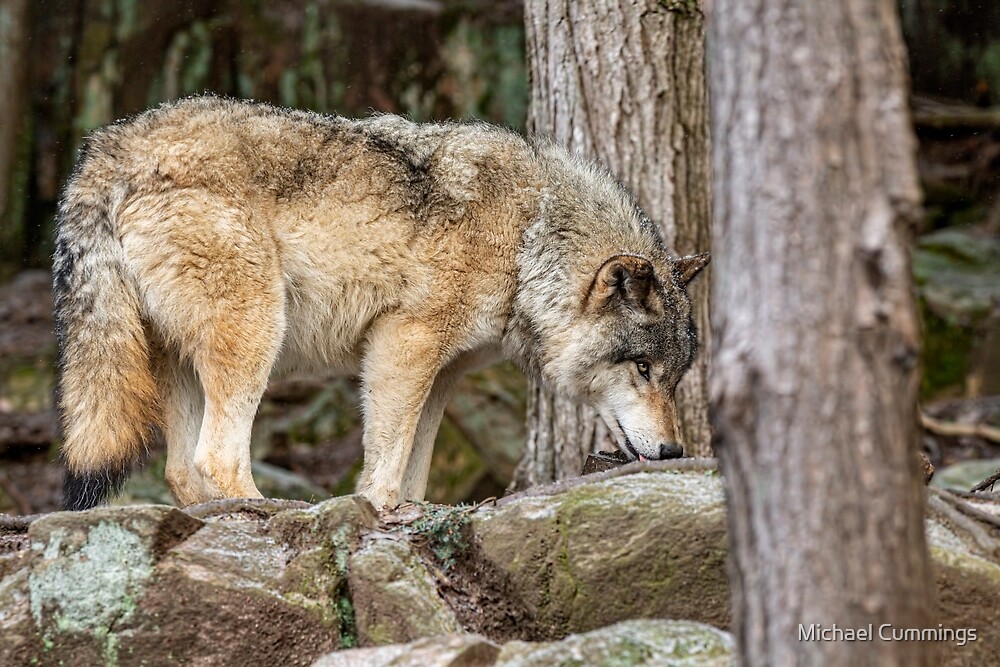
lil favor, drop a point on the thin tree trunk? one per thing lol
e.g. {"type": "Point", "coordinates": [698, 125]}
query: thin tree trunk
{"type": "Point", "coordinates": [623, 82]}
{"type": "Point", "coordinates": [13, 103]}
{"type": "Point", "coordinates": [814, 379]}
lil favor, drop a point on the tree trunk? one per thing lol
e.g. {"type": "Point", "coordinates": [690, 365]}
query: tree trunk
{"type": "Point", "coordinates": [13, 99]}
{"type": "Point", "coordinates": [814, 380]}
{"type": "Point", "coordinates": [624, 83]}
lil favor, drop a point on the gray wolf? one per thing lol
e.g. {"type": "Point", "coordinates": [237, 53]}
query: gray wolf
{"type": "Point", "coordinates": [209, 244]}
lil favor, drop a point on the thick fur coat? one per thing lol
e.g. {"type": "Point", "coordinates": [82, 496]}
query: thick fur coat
{"type": "Point", "coordinates": [206, 245]}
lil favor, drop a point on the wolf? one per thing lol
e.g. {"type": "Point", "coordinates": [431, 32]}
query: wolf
{"type": "Point", "coordinates": [210, 244]}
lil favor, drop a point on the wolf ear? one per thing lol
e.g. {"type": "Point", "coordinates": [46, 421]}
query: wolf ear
{"type": "Point", "coordinates": [625, 277]}
{"type": "Point", "coordinates": [686, 268]}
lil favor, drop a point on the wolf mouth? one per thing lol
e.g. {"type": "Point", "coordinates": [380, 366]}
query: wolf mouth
{"type": "Point", "coordinates": [628, 444]}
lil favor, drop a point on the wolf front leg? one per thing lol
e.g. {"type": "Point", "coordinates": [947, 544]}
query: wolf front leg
{"type": "Point", "coordinates": [402, 362]}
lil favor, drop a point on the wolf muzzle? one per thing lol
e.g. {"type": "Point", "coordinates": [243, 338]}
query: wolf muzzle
{"type": "Point", "coordinates": [671, 451]}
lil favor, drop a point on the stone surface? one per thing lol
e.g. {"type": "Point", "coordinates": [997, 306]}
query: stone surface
{"type": "Point", "coordinates": [395, 596]}
{"type": "Point", "coordinates": [638, 643]}
{"type": "Point", "coordinates": [458, 650]}
{"type": "Point", "coordinates": [243, 583]}
{"type": "Point", "coordinates": [283, 582]}
{"type": "Point", "coordinates": [958, 273]}
{"type": "Point", "coordinates": [968, 585]}
{"type": "Point", "coordinates": [642, 545]}
{"type": "Point", "coordinates": [963, 476]}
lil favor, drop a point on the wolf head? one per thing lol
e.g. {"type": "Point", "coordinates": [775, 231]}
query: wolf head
{"type": "Point", "coordinates": [632, 342]}
{"type": "Point", "coordinates": [603, 315]}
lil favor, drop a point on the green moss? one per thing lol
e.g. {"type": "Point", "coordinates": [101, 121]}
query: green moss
{"type": "Point", "coordinates": [444, 530]}
{"type": "Point", "coordinates": [944, 358]}
{"type": "Point", "coordinates": [632, 652]}
{"type": "Point", "coordinates": [110, 648]}
{"type": "Point", "coordinates": [633, 643]}
{"type": "Point", "coordinates": [348, 626]}
{"type": "Point", "coordinates": [340, 558]}
{"type": "Point", "coordinates": [571, 586]}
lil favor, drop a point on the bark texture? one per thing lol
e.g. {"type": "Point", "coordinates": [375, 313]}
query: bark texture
{"type": "Point", "coordinates": [624, 83]}
{"type": "Point", "coordinates": [815, 333]}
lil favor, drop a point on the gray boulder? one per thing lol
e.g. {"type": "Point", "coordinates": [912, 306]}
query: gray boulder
{"type": "Point", "coordinates": [246, 583]}
{"type": "Point", "coordinates": [396, 599]}
{"type": "Point", "coordinates": [645, 545]}
{"type": "Point", "coordinates": [639, 643]}
{"type": "Point", "coordinates": [585, 565]}
{"type": "Point", "coordinates": [459, 650]}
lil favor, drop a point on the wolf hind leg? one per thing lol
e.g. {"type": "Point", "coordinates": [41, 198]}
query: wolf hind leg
{"type": "Point", "coordinates": [183, 411]}
{"type": "Point", "coordinates": [210, 404]}
{"type": "Point", "coordinates": [212, 282]}
{"type": "Point", "coordinates": [233, 370]}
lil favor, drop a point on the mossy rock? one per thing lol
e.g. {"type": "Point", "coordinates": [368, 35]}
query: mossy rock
{"type": "Point", "coordinates": [641, 545]}
{"type": "Point", "coordinates": [640, 643]}
{"type": "Point", "coordinates": [395, 596]}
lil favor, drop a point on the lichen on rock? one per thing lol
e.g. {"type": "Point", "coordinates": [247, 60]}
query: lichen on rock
{"type": "Point", "coordinates": [92, 588]}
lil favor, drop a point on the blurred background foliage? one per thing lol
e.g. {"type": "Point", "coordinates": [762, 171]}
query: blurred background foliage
{"type": "Point", "coordinates": [954, 48]}
{"type": "Point", "coordinates": [67, 66]}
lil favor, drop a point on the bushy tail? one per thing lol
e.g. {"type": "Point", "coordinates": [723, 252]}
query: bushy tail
{"type": "Point", "coordinates": [107, 393]}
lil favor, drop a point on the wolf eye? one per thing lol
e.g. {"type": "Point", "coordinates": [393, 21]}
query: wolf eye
{"type": "Point", "coordinates": [643, 368]}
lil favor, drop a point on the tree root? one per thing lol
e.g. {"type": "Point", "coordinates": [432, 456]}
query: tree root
{"type": "Point", "coordinates": [983, 527]}
{"type": "Point", "coordinates": [957, 430]}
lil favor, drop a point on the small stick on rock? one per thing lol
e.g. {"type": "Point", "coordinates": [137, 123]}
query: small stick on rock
{"type": "Point", "coordinates": [987, 483]}
{"type": "Point", "coordinates": [957, 430]}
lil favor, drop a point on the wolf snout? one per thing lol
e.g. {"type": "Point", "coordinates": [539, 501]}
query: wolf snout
{"type": "Point", "coordinates": [671, 450]}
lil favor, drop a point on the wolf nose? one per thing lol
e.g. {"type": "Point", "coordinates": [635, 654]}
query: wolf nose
{"type": "Point", "coordinates": [671, 451]}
